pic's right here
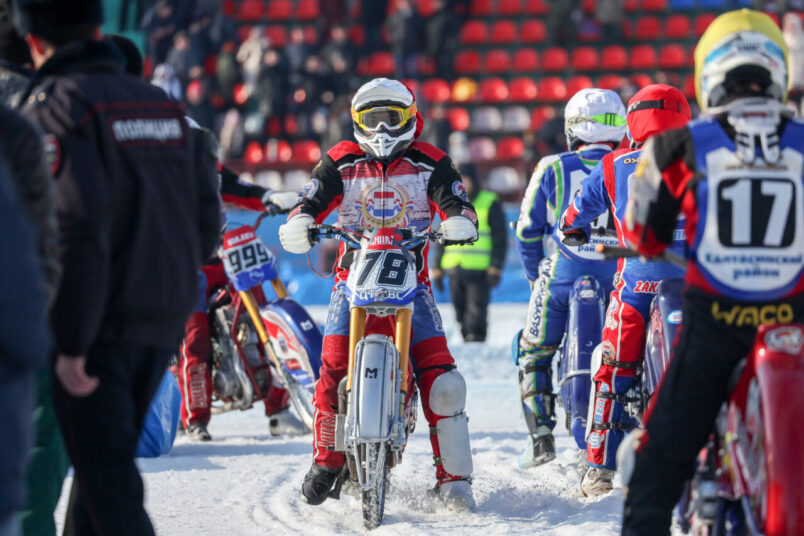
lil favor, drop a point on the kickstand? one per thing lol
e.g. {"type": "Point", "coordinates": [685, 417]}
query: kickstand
{"type": "Point", "coordinates": [335, 493]}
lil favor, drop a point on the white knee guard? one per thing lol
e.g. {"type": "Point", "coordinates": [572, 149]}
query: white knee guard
{"type": "Point", "coordinates": [448, 397]}
{"type": "Point", "coordinates": [595, 363]}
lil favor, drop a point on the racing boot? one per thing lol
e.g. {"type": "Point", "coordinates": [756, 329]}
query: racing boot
{"type": "Point", "coordinates": [538, 402]}
{"type": "Point", "coordinates": [284, 423]}
{"type": "Point", "coordinates": [318, 483]}
{"type": "Point", "coordinates": [596, 481]}
{"type": "Point", "coordinates": [198, 432]}
{"type": "Point", "coordinates": [456, 494]}
{"type": "Point", "coordinates": [541, 449]}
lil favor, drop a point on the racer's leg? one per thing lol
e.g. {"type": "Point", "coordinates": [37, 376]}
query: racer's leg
{"type": "Point", "coordinates": [194, 375]}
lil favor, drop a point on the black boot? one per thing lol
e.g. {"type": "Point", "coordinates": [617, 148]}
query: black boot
{"type": "Point", "coordinates": [317, 484]}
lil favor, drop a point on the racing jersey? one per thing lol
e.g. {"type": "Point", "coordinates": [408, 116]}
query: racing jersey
{"type": "Point", "coordinates": [238, 193]}
{"type": "Point", "coordinates": [606, 188]}
{"type": "Point", "coordinates": [369, 194]}
{"type": "Point", "coordinates": [551, 188]}
{"type": "Point", "coordinates": [744, 221]}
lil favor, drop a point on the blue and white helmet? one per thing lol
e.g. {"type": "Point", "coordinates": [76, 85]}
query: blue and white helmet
{"type": "Point", "coordinates": [594, 116]}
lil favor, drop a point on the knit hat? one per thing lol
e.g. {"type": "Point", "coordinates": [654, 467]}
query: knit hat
{"type": "Point", "coordinates": [42, 17]}
{"type": "Point", "coordinates": [12, 47]}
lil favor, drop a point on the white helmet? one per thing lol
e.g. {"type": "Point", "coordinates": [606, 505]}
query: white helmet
{"type": "Point", "coordinates": [384, 118]}
{"type": "Point", "coordinates": [594, 115]}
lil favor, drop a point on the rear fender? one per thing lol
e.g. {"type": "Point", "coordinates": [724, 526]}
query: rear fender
{"type": "Point", "coordinates": [296, 339]}
{"type": "Point", "coordinates": [665, 319]}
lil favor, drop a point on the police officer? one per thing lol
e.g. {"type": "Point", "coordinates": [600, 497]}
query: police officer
{"type": "Point", "coordinates": [138, 212]}
{"type": "Point", "coordinates": [474, 269]}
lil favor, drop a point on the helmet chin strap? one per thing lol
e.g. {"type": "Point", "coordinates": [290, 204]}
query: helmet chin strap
{"type": "Point", "coordinates": [755, 118]}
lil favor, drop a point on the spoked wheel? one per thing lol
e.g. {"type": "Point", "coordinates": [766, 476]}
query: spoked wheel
{"type": "Point", "coordinates": [374, 498]}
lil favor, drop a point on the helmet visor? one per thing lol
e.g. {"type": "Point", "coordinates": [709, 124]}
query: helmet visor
{"type": "Point", "coordinates": [390, 117]}
{"type": "Point", "coordinates": [611, 120]}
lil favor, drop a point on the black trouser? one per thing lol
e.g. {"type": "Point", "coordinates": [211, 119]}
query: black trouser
{"type": "Point", "coordinates": [470, 293]}
{"type": "Point", "coordinates": [687, 403]}
{"type": "Point", "coordinates": [101, 432]}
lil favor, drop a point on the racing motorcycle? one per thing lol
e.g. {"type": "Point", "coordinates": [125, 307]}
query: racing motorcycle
{"type": "Point", "coordinates": [378, 398]}
{"type": "Point", "coordinates": [255, 339]}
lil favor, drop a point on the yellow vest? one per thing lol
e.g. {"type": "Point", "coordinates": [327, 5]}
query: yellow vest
{"type": "Point", "coordinates": [475, 256]}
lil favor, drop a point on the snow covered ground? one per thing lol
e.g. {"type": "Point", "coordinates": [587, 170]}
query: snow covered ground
{"type": "Point", "coordinates": [245, 482]}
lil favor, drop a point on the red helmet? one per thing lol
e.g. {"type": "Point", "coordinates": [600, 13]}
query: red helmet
{"type": "Point", "coordinates": [654, 109]}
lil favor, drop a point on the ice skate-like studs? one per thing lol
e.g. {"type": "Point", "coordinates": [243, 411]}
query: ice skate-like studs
{"type": "Point", "coordinates": [539, 450]}
{"type": "Point", "coordinates": [284, 423]}
{"type": "Point", "coordinates": [456, 495]}
{"type": "Point", "coordinates": [597, 481]}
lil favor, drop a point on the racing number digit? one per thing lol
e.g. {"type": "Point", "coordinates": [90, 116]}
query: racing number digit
{"type": "Point", "coordinates": [756, 213]}
{"type": "Point", "coordinates": [393, 270]}
{"type": "Point", "coordinates": [368, 265]}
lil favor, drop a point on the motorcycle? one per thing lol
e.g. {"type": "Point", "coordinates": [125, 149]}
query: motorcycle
{"type": "Point", "coordinates": [378, 399]}
{"type": "Point", "coordinates": [255, 339]}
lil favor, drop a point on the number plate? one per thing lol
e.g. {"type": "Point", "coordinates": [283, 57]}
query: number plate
{"type": "Point", "coordinates": [247, 261]}
{"type": "Point", "coordinates": [381, 276]}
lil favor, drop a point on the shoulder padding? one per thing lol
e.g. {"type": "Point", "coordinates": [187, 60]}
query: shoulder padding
{"type": "Point", "coordinates": [428, 150]}
{"type": "Point", "coordinates": [343, 149]}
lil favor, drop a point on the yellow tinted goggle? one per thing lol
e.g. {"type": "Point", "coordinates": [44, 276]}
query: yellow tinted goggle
{"type": "Point", "coordinates": [392, 117]}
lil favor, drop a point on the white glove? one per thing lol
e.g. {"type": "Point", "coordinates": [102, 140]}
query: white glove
{"type": "Point", "coordinates": [293, 234]}
{"type": "Point", "coordinates": [282, 200]}
{"type": "Point", "coordinates": [458, 229]}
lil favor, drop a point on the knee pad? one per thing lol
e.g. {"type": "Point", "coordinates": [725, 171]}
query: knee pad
{"type": "Point", "coordinates": [453, 445]}
{"type": "Point", "coordinates": [448, 394]}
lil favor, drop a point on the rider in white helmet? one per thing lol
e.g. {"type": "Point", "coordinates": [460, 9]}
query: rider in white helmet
{"type": "Point", "coordinates": [595, 124]}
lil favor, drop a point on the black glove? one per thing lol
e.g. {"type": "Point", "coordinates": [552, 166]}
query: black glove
{"type": "Point", "coordinates": [493, 276]}
{"type": "Point", "coordinates": [575, 237]}
{"type": "Point", "coordinates": [437, 277]}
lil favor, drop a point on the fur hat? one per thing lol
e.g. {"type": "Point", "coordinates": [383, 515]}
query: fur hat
{"type": "Point", "coordinates": [43, 17]}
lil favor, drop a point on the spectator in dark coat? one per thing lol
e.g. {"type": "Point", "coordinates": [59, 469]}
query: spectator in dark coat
{"type": "Point", "coordinates": [272, 86]}
{"type": "Point", "coordinates": [372, 16]}
{"type": "Point", "coordinates": [404, 26]}
{"type": "Point", "coordinates": [160, 23]}
{"type": "Point", "coordinates": [442, 38]}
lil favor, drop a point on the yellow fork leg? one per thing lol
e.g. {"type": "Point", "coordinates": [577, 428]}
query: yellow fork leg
{"type": "Point", "coordinates": [254, 312]}
{"type": "Point", "coordinates": [279, 288]}
{"type": "Point", "coordinates": [403, 317]}
{"type": "Point", "coordinates": [357, 327]}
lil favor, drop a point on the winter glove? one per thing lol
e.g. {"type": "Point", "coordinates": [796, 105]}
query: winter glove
{"type": "Point", "coordinates": [458, 229]}
{"type": "Point", "coordinates": [437, 277]}
{"type": "Point", "coordinates": [293, 234]}
{"type": "Point", "coordinates": [493, 276]}
{"type": "Point", "coordinates": [575, 237]}
{"type": "Point", "coordinates": [281, 200]}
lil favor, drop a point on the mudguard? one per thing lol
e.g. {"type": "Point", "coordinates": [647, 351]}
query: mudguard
{"type": "Point", "coordinates": [297, 339]}
{"type": "Point", "coordinates": [665, 319]}
{"type": "Point", "coordinates": [584, 330]}
{"type": "Point", "coordinates": [161, 421]}
{"type": "Point", "coordinates": [374, 389]}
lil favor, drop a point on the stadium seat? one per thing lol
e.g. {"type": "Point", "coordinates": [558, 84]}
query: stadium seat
{"type": "Point", "coordinates": [277, 151]}
{"type": "Point", "coordinates": [713, 5]}
{"type": "Point", "coordinates": [630, 6]}
{"type": "Point", "coordinates": [640, 80]}
{"type": "Point", "coordinates": [426, 65]}
{"type": "Point", "coordinates": [228, 8]}
{"type": "Point", "coordinates": [677, 27]}
{"type": "Point", "coordinates": [536, 7]}
{"type": "Point", "coordinates": [532, 31]}
{"type": "Point", "coordinates": [525, 60]}
{"type": "Point", "coordinates": [307, 10]}
{"type": "Point", "coordinates": [688, 87]}
{"type": "Point", "coordinates": [412, 85]}
{"type": "Point", "coordinates": [509, 7]}
{"type": "Point", "coordinates": [279, 10]}
{"type": "Point", "coordinates": [482, 148]}
{"type": "Point", "coordinates": [425, 7]}
{"type": "Point", "coordinates": [577, 83]}
{"type": "Point", "coordinates": [647, 29]}
{"type": "Point", "coordinates": [464, 90]}
{"type": "Point", "coordinates": [277, 35]}
{"type": "Point", "coordinates": [486, 119]}
{"type": "Point", "coordinates": [515, 119]}
{"type": "Point", "coordinates": [240, 94]}
{"type": "Point", "coordinates": [381, 64]}
{"type": "Point", "coordinates": [505, 180]}
{"type": "Point", "coordinates": [253, 154]}
{"type": "Point", "coordinates": [672, 56]}
{"type": "Point", "coordinates": [497, 61]}
{"type": "Point", "coordinates": [480, 8]}
{"type": "Point", "coordinates": [588, 6]}
{"type": "Point", "coordinates": [474, 32]}
{"type": "Point", "coordinates": [510, 148]}
{"type": "Point", "coordinates": [585, 59]}
{"type": "Point", "coordinates": [435, 90]}
{"type": "Point", "coordinates": [555, 59]}
{"type": "Point", "coordinates": [523, 89]}
{"type": "Point", "coordinates": [467, 62]}
{"type": "Point", "coordinates": [242, 33]}
{"type": "Point", "coordinates": [493, 90]}
{"type": "Point", "coordinates": [613, 58]}
{"type": "Point", "coordinates": [538, 116]}
{"type": "Point", "coordinates": [291, 125]}
{"type": "Point", "coordinates": [357, 35]}
{"type": "Point", "coordinates": [274, 128]}
{"type": "Point", "coordinates": [610, 81]}
{"type": "Point", "coordinates": [306, 152]}
{"type": "Point", "coordinates": [210, 65]}
{"type": "Point", "coordinates": [503, 32]}
{"type": "Point", "coordinates": [702, 22]}
{"type": "Point", "coordinates": [654, 5]}
{"type": "Point", "coordinates": [643, 57]}
{"type": "Point", "coordinates": [458, 119]}
{"type": "Point", "coordinates": [552, 89]}
{"type": "Point", "coordinates": [250, 10]}
{"type": "Point", "coordinates": [682, 5]}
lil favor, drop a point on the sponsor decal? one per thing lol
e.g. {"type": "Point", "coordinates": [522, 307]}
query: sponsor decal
{"type": "Point", "coordinates": [127, 130]}
{"type": "Point", "coordinates": [753, 315]}
{"type": "Point", "coordinates": [611, 321]}
{"type": "Point", "coordinates": [52, 150]}
{"type": "Point", "coordinates": [384, 205]}
{"type": "Point", "coordinates": [594, 440]}
{"type": "Point", "coordinates": [786, 339]}
{"type": "Point", "coordinates": [459, 189]}
{"type": "Point", "coordinates": [257, 274]}
{"type": "Point", "coordinates": [608, 352]}
{"type": "Point", "coordinates": [310, 189]}
{"type": "Point", "coordinates": [467, 213]}
{"type": "Point", "coordinates": [630, 160]}
{"type": "Point", "coordinates": [674, 317]}
{"type": "Point", "coordinates": [646, 287]}
{"type": "Point", "coordinates": [237, 237]}
{"type": "Point", "coordinates": [306, 325]}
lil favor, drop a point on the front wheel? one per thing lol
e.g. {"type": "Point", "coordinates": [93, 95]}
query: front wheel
{"type": "Point", "coordinates": [374, 498]}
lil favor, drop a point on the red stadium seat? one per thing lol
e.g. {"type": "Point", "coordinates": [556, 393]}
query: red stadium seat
{"type": "Point", "coordinates": [240, 94]}
{"type": "Point", "coordinates": [310, 35]}
{"type": "Point", "coordinates": [357, 35]}
{"type": "Point", "coordinates": [538, 116]}
{"type": "Point", "coordinates": [688, 87]}
{"type": "Point", "coordinates": [307, 10]}
{"type": "Point", "coordinates": [210, 65]}
{"type": "Point", "coordinates": [435, 90]}
{"type": "Point", "coordinates": [630, 5]}
{"type": "Point", "coordinates": [228, 8]}
{"type": "Point", "coordinates": [526, 60]}
{"type": "Point", "coordinates": [552, 89]}
{"type": "Point", "coordinates": [641, 80]}
{"type": "Point", "coordinates": [503, 32]}
{"type": "Point", "coordinates": [555, 59]}
{"type": "Point", "coordinates": [277, 35]}
{"type": "Point", "coordinates": [291, 125]}
{"type": "Point", "coordinates": [643, 57]}
{"type": "Point", "coordinates": [425, 7]}
{"type": "Point", "coordinates": [480, 8]}
{"type": "Point", "coordinates": [536, 7]}
{"type": "Point", "coordinates": [381, 64]}
{"type": "Point", "coordinates": [577, 83]}
{"type": "Point", "coordinates": [280, 10]}
{"type": "Point", "coordinates": [677, 27]}
{"type": "Point", "coordinates": [493, 90]}
{"type": "Point", "coordinates": [654, 5]}
{"type": "Point", "coordinates": [277, 151]}
{"type": "Point", "coordinates": [274, 127]}
{"type": "Point", "coordinates": [585, 59]}
{"type": "Point", "coordinates": [647, 29]}
{"type": "Point", "coordinates": [509, 7]}
{"type": "Point", "coordinates": [510, 148]}
{"type": "Point", "coordinates": [673, 56]}
{"type": "Point", "coordinates": [306, 152]}
{"type": "Point", "coordinates": [467, 62]}
{"type": "Point", "coordinates": [458, 119]}
{"type": "Point", "coordinates": [775, 17]}
{"type": "Point", "coordinates": [250, 10]}
{"type": "Point", "coordinates": [610, 81]}
{"type": "Point", "coordinates": [588, 6]}
{"type": "Point", "coordinates": [702, 22]}
{"type": "Point", "coordinates": [523, 90]}
{"type": "Point", "coordinates": [613, 58]}
{"type": "Point", "coordinates": [497, 61]}
{"type": "Point", "coordinates": [532, 31]}
{"type": "Point", "coordinates": [412, 85]}
{"type": "Point", "coordinates": [474, 32]}
{"type": "Point", "coordinates": [426, 65]}
{"type": "Point", "coordinates": [253, 154]}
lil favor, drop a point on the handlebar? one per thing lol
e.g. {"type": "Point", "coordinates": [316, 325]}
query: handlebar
{"type": "Point", "coordinates": [615, 252]}
{"type": "Point", "coordinates": [410, 237]}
